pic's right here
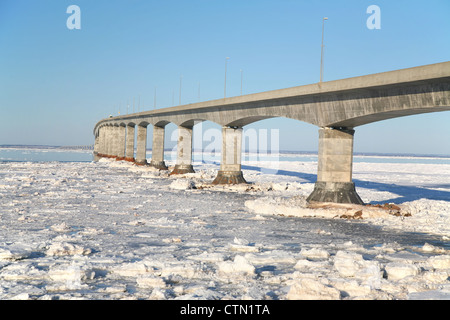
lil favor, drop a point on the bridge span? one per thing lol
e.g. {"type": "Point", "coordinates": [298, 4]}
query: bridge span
{"type": "Point", "coordinates": [336, 107]}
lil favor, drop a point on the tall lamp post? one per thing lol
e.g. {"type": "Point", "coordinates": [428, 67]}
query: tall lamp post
{"type": "Point", "coordinates": [225, 86]}
{"type": "Point", "coordinates": [321, 56]}
{"type": "Point", "coordinates": [181, 79]}
{"type": "Point", "coordinates": [241, 81]}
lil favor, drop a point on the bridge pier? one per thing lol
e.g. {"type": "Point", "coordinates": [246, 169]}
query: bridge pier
{"type": "Point", "coordinates": [111, 142]}
{"type": "Point", "coordinates": [334, 173]}
{"type": "Point", "coordinates": [115, 142]}
{"type": "Point", "coordinates": [96, 147]}
{"type": "Point", "coordinates": [129, 155]}
{"type": "Point", "coordinates": [102, 144]}
{"type": "Point", "coordinates": [121, 135]}
{"type": "Point", "coordinates": [230, 166]}
{"type": "Point", "coordinates": [184, 151]}
{"type": "Point", "coordinates": [158, 148]}
{"type": "Point", "coordinates": [108, 141]}
{"type": "Point", "coordinates": [141, 145]}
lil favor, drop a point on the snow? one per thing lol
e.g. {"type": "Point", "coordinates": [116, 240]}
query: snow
{"type": "Point", "coordinates": [113, 230]}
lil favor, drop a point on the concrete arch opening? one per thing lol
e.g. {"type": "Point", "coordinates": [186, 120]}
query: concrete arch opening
{"type": "Point", "coordinates": [189, 146]}
{"type": "Point", "coordinates": [170, 141]}
{"type": "Point", "coordinates": [260, 139]}
{"type": "Point", "coordinates": [207, 142]}
{"type": "Point", "coordinates": [424, 130]}
{"type": "Point", "coordinates": [293, 135]}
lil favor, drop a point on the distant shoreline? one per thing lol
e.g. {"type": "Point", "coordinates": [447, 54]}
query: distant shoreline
{"type": "Point", "coordinates": [91, 148]}
{"type": "Point", "coordinates": [23, 146]}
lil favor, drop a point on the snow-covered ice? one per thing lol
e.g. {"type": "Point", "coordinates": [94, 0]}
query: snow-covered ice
{"type": "Point", "coordinates": [113, 230]}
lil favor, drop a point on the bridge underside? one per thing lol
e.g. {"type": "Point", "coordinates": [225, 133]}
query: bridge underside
{"type": "Point", "coordinates": [370, 118]}
{"type": "Point", "coordinates": [333, 108]}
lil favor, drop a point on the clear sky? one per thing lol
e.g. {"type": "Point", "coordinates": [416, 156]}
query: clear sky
{"type": "Point", "coordinates": [56, 82]}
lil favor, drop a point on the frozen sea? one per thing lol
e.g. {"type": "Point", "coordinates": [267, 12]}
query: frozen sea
{"type": "Point", "coordinates": [109, 230]}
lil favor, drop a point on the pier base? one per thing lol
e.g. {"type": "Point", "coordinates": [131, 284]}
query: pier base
{"type": "Point", "coordinates": [161, 165]}
{"type": "Point", "coordinates": [335, 192]}
{"type": "Point", "coordinates": [182, 169]}
{"type": "Point", "coordinates": [141, 162]}
{"type": "Point", "coordinates": [229, 177]}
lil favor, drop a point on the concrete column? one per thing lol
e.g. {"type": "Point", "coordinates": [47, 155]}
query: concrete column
{"type": "Point", "coordinates": [158, 148]}
{"type": "Point", "coordinates": [105, 141]}
{"type": "Point", "coordinates": [141, 145]}
{"type": "Point", "coordinates": [96, 146]}
{"type": "Point", "coordinates": [109, 141]}
{"type": "Point", "coordinates": [101, 142]}
{"type": "Point", "coordinates": [121, 134]}
{"type": "Point", "coordinates": [115, 144]}
{"type": "Point", "coordinates": [230, 167]}
{"type": "Point", "coordinates": [334, 173]}
{"type": "Point", "coordinates": [129, 156]}
{"type": "Point", "coordinates": [184, 151]}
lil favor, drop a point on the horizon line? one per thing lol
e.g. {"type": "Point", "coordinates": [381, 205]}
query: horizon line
{"type": "Point", "coordinates": [91, 147]}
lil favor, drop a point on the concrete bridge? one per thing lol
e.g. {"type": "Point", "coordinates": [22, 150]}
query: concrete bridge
{"type": "Point", "coordinates": [336, 107]}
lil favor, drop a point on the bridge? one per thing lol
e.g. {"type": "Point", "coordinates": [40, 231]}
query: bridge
{"type": "Point", "coordinates": [336, 107]}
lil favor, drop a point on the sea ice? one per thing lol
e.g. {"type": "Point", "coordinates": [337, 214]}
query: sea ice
{"type": "Point", "coordinates": [312, 289]}
{"type": "Point", "coordinates": [113, 230]}
{"type": "Point", "coordinates": [397, 271]}
{"type": "Point", "coordinates": [439, 262]}
{"type": "Point", "coordinates": [315, 253]}
{"type": "Point", "coordinates": [182, 184]}
{"type": "Point", "coordinates": [150, 281]}
{"type": "Point", "coordinates": [351, 264]}
{"type": "Point", "coordinates": [239, 267]}
{"type": "Point", "coordinates": [14, 252]}
{"type": "Point", "coordinates": [65, 248]}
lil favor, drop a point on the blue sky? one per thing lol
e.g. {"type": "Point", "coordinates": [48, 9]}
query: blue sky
{"type": "Point", "coordinates": [56, 83]}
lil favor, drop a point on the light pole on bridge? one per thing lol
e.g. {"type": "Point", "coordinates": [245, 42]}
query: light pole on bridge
{"type": "Point", "coordinates": [181, 79]}
{"type": "Point", "coordinates": [321, 56]}
{"type": "Point", "coordinates": [241, 80]}
{"type": "Point", "coordinates": [225, 86]}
